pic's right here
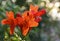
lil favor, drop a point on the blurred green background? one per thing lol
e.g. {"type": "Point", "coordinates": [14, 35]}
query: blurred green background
{"type": "Point", "coordinates": [48, 29]}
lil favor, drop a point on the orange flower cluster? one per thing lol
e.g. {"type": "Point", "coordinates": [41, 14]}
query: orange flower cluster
{"type": "Point", "coordinates": [25, 21]}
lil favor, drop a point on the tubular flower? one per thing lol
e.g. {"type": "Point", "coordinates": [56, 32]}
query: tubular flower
{"type": "Point", "coordinates": [10, 20]}
{"type": "Point", "coordinates": [26, 22]}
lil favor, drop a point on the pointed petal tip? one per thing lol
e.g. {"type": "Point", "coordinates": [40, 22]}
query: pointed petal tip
{"type": "Point", "coordinates": [4, 21]}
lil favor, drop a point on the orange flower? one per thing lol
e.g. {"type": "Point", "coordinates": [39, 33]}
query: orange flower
{"type": "Point", "coordinates": [34, 10]}
{"type": "Point", "coordinates": [26, 22]}
{"type": "Point", "coordinates": [10, 20]}
{"type": "Point", "coordinates": [37, 14]}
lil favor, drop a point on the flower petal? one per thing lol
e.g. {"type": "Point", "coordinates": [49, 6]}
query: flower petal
{"type": "Point", "coordinates": [38, 19]}
{"type": "Point", "coordinates": [24, 14]}
{"type": "Point", "coordinates": [40, 13]}
{"type": "Point", "coordinates": [4, 21]}
{"type": "Point", "coordinates": [20, 20]}
{"type": "Point", "coordinates": [25, 30]}
{"type": "Point", "coordinates": [10, 15]}
{"type": "Point", "coordinates": [33, 24]}
{"type": "Point", "coordinates": [33, 8]}
{"type": "Point", "coordinates": [12, 27]}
